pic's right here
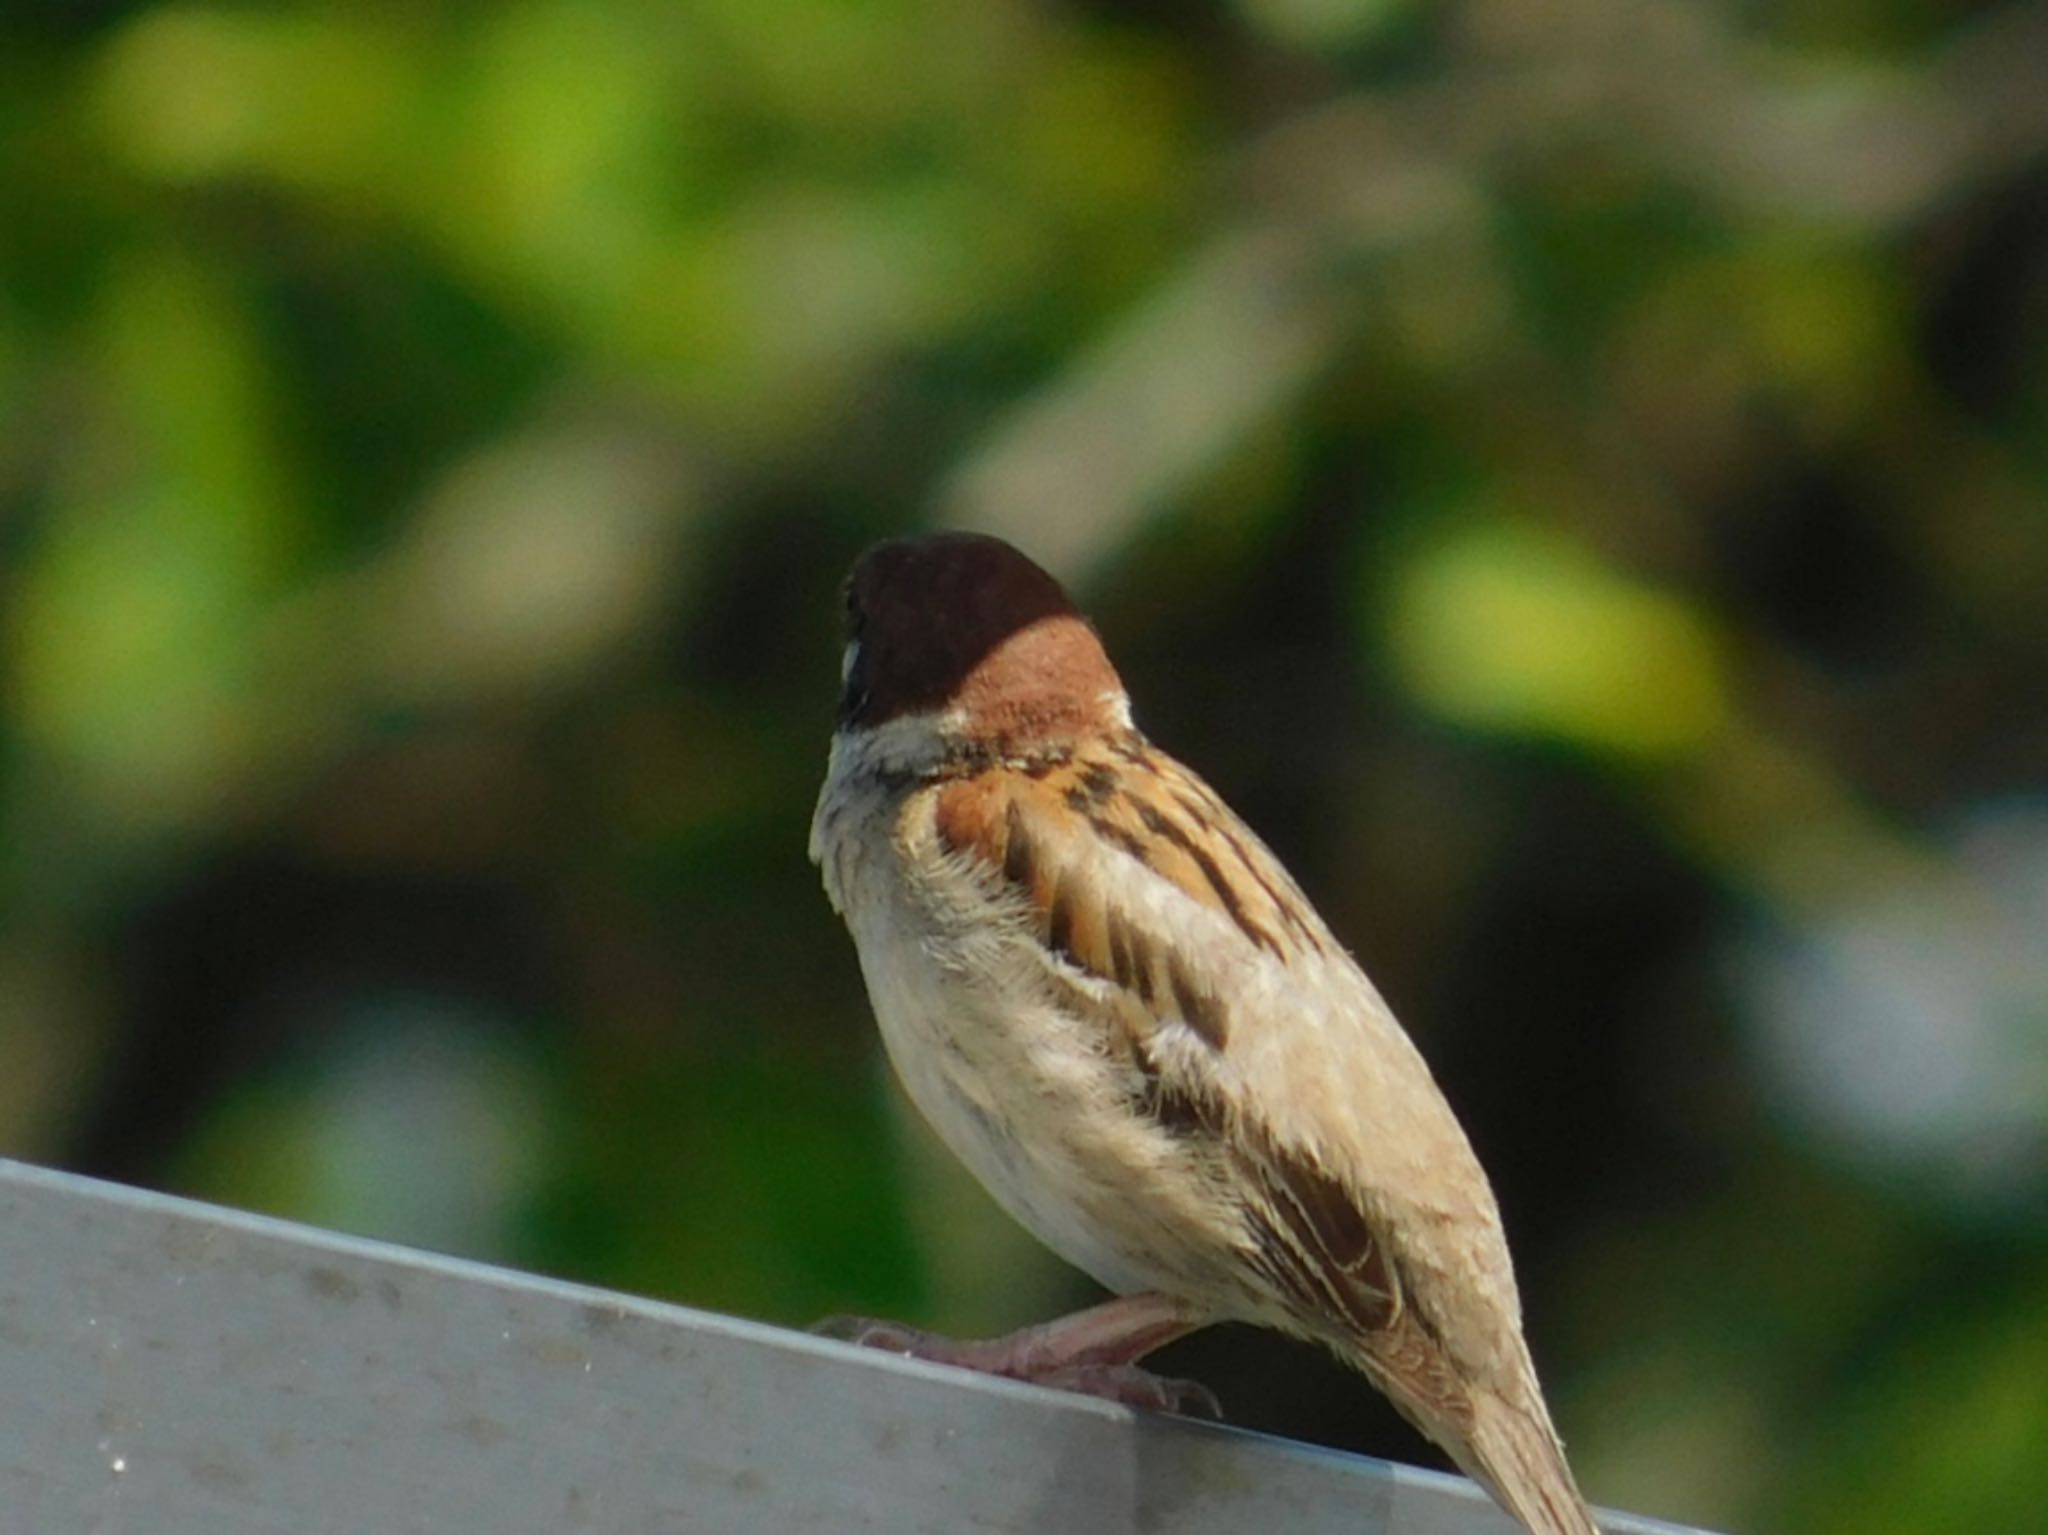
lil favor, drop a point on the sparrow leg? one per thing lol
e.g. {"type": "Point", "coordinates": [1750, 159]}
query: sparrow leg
{"type": "Point", "coordinates": [1094, 1351]}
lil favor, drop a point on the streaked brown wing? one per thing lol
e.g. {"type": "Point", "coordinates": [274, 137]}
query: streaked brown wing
{"type": "Point", "coordinates": [1306, 1233]}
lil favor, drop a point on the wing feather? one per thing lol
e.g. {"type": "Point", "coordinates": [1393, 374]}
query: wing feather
{"type": "Point", "coordinates": [1171, 1004]}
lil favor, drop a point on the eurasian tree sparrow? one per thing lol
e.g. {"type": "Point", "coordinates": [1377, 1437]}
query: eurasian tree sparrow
{"type": "Point", "coordinates": [1121, 1013]}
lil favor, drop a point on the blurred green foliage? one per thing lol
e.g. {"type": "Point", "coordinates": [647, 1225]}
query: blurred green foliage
{"type": "Point", "coordinates": [1574, 472]}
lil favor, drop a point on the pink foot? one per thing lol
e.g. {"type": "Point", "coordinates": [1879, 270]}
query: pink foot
{"type": "Point", "coordinates": [1093, 1352]}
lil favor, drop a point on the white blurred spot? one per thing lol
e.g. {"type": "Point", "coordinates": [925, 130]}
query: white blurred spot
{"type": "Point", "coordinates": [1910, 1029]}
{"type": "Point", "coordinates": [427, 1128]}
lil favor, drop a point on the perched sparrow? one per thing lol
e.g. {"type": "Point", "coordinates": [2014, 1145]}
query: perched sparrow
{"type": "Point", "coordinates": [1123, 1015]}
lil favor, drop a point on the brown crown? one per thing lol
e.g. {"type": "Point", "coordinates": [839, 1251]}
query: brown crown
{"type": "Point", "coordinates": [962, 620]}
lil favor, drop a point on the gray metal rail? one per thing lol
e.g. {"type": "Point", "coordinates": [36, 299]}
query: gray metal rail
{"type": "Point", "coordinates": [170, 1368]}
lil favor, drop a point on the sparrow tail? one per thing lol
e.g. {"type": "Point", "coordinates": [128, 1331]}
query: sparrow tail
{"type": "Point", "coordinates": [1515, 1455]}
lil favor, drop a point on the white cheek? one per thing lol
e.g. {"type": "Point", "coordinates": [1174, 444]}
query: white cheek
{"type": "Point", "coordinates": [846, 661]}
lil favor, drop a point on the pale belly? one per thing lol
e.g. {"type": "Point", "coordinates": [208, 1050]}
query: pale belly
{"type": "Point", "coordinates": [1025, 1088]}
{"type": "Point", "coordinates": [1036, 1115]}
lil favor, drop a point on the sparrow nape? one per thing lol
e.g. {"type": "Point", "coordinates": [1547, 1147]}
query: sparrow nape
{"type": "Point", "coordinates": [1123, 1015]}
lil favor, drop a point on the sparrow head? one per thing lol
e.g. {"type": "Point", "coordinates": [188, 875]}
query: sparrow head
{"type": "Point", "coordinates": [963, 628]}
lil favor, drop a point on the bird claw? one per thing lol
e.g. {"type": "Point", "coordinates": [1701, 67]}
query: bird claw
{"type": "Point", "coordinates": [1133, 1387]}
{"type": "Point", "coordinates": [872, 1332]}
{"type": "Point", "coordinates": [1022, 1357]}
